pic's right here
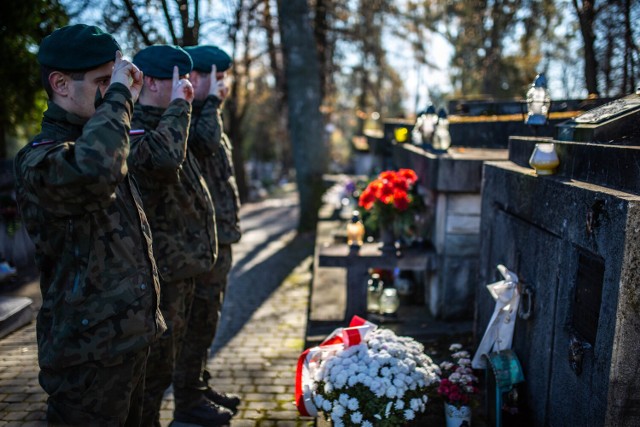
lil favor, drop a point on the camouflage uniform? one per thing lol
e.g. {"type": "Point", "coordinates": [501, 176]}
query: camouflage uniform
{"type": "Point", "coordinates": [182, 218]}
{"type": "Point", "coordinates": [99, 281]}
{"type": "Point", "coordinates": [213, 151]}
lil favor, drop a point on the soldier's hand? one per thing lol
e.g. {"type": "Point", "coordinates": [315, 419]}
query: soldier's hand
{"type": "Point", "coordinates": [128, 74]}
{"type": "Point", "coordinates": [181, 87]}
{"type": "Point", "coordinates": [217, 88]}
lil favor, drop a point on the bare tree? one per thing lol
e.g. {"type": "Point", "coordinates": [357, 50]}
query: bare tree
{"type": "Point", "coordinates": [587, 13]}
{"type": "Point", "coordinates": [305, 120]}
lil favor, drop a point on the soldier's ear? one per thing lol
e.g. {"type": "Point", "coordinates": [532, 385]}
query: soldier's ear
{"type": "Point", "coordinates": [151, 84]}
{"type": "Point", "coordinates": [59, 83]}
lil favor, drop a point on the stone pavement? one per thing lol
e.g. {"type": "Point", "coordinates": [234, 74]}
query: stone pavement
{"type": "Point", "coordinates": [261, 334]}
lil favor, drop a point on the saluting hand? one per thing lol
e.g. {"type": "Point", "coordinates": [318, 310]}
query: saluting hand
{"type": "Point", "coordinates": [182, 88]}
{"type": "Point", "coordinates": [128, 74]}
{"type": "Point", "coordinates": [217, 88]}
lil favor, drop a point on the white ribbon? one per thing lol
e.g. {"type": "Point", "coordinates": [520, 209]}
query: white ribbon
{"type": "Point", "coordinates": [499, 333]}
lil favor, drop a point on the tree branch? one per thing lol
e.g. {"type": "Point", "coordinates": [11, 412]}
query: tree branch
{"type": "Point", "coordinates": [136, 22]}
{"type": "Point", "coordinates": [167, 16]}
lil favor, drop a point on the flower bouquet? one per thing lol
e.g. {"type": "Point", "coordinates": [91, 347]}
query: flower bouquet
{"type": "Point", "coordinates": [390, 202]}
{"type": "Point", "coordinates": [458, 385]}
{"type": "Point", "coordinates": [378, 379]}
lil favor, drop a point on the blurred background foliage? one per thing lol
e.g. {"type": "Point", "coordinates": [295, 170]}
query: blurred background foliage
{"type": "Point", "coordinates": [495, 47]}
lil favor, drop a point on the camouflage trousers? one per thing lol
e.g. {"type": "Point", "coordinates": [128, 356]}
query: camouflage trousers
{"type": "Point", "coordinates": [102, 393]}
{"type": "Point", "coordinates": [190, 375]}
{"type": "Point", "coordinates": [175, 303]}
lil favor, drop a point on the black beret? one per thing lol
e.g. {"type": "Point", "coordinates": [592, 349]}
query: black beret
{"type": "Point", "coordinates": [158, 61]}
{"type": "Point", "coordinates": [77, 47]}
{"type": "Point", "coordinates": [205, 56]}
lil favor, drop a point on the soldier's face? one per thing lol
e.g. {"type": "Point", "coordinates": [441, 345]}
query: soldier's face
{"type": "Point", "coordinates": [82, 93]}
{"type": "Point", "coordinates": [200, 82]}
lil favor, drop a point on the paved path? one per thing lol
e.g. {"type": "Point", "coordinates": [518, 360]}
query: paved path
{"type": "Point", "coordinates": [261, 333]}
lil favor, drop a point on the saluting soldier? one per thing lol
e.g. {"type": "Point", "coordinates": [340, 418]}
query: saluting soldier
{"type": "Point", "coordinates": [180, 211]}
{"type": "Point", "coordinates": [213, 151]}
{"type": "Point", "coordinates": [99, 281]}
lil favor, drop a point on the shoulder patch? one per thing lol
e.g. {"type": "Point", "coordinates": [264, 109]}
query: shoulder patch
{"type": "Point", "coordinates": [42, 142]}
{"type": "Point", "coordinates": [134, 132]}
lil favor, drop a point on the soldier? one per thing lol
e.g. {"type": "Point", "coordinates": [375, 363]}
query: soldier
{"type": "Point", "coordinates": [99, 281]}
{"type": "Point", "coordinates": [180, 211]}
{"type": "Point", "coordinates": [213, 151]}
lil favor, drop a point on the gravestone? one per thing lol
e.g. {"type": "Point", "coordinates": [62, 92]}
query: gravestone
{"type": "Point", "coordinates": [574, 240]}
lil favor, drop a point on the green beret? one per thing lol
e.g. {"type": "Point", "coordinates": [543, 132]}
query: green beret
{"type": "Point", "coordinates": [205, 56]}
{"type": "Point", "coordinates": [77, 47]}
{"type": "Point", "coordinates": [158, 61]}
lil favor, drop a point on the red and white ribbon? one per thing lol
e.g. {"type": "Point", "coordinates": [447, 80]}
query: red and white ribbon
{"type": "Point", "coordinates": [339, 339]}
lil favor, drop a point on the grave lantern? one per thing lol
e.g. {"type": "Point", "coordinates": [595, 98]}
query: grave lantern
{"type": "Point", "coordinates": [538, 102]}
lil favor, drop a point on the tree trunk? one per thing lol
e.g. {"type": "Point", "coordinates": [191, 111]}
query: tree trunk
{"type": "Point", "coordinates": [305, 120]}
{"type": "Point", "coordinates": [587, 16]}
{"type": "Point", "coordinates": [233, 122]}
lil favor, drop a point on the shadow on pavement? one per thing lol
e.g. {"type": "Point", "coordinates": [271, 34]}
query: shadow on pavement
{"type": "Point", "coordinates": [248, 290]}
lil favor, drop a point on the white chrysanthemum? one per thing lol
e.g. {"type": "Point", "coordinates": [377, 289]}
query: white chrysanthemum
{"type": "Point", "coordinates": [367, 423]}
{"type": "Point", "coordinates": [461, 355]}
{"type": "Point", "coordinates": [446, 365]}
{"type": "Point", "coordinates": [338, 410]}
{"type": "Point", "coordinates": [353, 380]}
{"type": "Point", "coordinates": [340, 380]}
{"type": "Point", "coordinates": [343, 399]}
{"type": "Point", "coordinates": [353, 404]}
{"type": "Point", "coordinates": [391, 392]}
{"type": "Point", "coordinates": [415, 404]}
{"type": "Point", "coordinates": [455, 347]}
{"type": "Point", "coordinates": [326, 405]}
{"type": "Point", "coordinates": [356, 418]}
{"type": "Point", "coordinates": [409, 414]}
{"type": "Point", "coordinates": [399, 404]}
{"type": "Point", "coordinates": [318, 400]}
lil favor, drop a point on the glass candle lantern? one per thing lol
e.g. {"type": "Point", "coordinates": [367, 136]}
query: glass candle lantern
{"type": "Point", "coordinates": [389, 301]}
{"type": "Point", "coordinates": [374, 291]}
{"type": "Point", "coordinates": [538, 102]}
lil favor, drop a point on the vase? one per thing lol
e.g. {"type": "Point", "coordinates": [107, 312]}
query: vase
{"type": "Point", "coordinates": [387, 238]}
{"type": "Point", "coordinates": [457, 417]}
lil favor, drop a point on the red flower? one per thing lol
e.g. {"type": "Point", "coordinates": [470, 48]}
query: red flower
{"type": "Point", "coordinates": [401, 200]}
{"type": "Point", "coordinates": [367, 199]}
{"type": "Point", "coordinates": [409, 175]}
{"type": "Point", "coordinates": [389, 193]}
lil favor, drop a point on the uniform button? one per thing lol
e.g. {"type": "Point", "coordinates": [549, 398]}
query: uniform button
{"type": "Point", "coordinates": [143, 286]}
{"type": "Point", "coordinates": [85, 322]}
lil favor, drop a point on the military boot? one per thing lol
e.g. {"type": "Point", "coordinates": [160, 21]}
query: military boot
{"type": "Point", "coordinates": [204, 413]}
{"type": "Point", "coordinates": [229, 401]}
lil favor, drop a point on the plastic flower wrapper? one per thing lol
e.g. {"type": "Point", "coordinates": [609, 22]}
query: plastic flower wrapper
{"type": "Point", "coordinates": [383, 381]}
{"type": "Point", "coordinates": [458, 386]}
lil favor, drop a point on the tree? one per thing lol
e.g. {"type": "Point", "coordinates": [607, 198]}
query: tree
{"type": "Point", "coordinates": [587, 12]}
{"type": "Point", "coordinates": [23, 25]}
{"type": "Point", "coordinates": [481, 33]}
{"type": "Point", "coordinates": [305, 120]}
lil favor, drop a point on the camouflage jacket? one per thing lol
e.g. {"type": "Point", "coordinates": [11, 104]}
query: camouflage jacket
{"type": "Point", "coordinates": [175, 196]}
{"type": "Point", "coordinates": [99, 281]}
{"type": "Point", "coordinates": [213, 151]}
